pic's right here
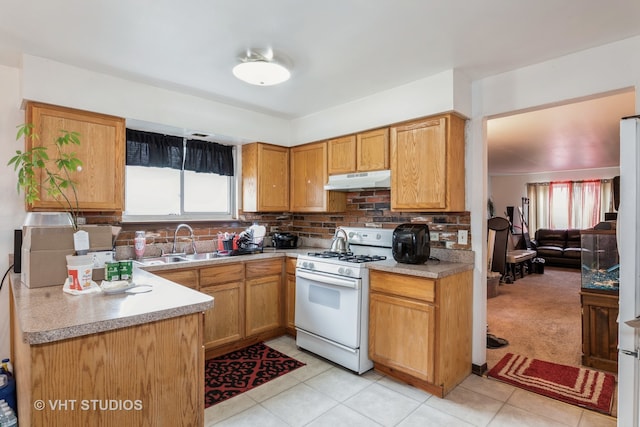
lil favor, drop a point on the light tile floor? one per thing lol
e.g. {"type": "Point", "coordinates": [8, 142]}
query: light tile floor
{"type": "Point", "coordinates": [322, 394]}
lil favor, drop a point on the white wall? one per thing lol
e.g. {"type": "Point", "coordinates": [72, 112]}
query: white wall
{"type": "Point", "coordinates": [590, 72]}
{"type": "Point", "coordinates": [446, 91]}
{"type": "Point", "coordinates": [508, 190]}
{"type": "Point", "coordinates": [12, 213]}
{"type": "Point", "coordinates": [60, 84]}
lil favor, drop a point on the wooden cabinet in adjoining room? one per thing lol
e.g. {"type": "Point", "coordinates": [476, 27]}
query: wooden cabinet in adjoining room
{"type": "Point", "coordinates": [224, 323]}
{"type": "Point", "coordinates": [428, 165]}
{"type": "Point", "coordinates": [100, 184]}
{"type": "Point", "coordinates": [264, 296]}
{"type": "Point", "coordinates": [363, 152]}
{"type": "Point", "coordinates": [600, 329]}
{"type": "Point", "coordinates": [265, 178]}
{"type": "Point", "coordinates": [308, 177]}
{"type": "Point", "coordinates": [420, 329]}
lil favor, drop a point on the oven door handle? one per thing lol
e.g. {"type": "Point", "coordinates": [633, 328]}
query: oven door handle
{"type": "Point", "coordinates": [327, 279]}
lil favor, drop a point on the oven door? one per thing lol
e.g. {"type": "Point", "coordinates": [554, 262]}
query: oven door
{"type": "Point", "coordinates": [329, 306]}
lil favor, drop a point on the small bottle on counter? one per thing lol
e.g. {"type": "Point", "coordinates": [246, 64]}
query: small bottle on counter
{"type": "Point", "coordinates": [139, 244]}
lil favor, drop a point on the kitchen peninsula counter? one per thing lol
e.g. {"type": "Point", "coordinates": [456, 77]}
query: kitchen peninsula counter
{"type": "Point", "coordinates": [98, 359]}
{"type": "Point", "coordinates": [48, 314]}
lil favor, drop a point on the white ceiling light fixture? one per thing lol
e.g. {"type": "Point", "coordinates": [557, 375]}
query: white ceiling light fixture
{"type": "Point", "coordinates": [261, 69]}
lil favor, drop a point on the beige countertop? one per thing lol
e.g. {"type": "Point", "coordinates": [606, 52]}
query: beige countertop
{"type": "Point", "coordinates": [48, 314]}
{"type": "Point", "coordinates": [431, 269]}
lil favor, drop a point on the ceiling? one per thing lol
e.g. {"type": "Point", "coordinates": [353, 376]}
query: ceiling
{"type": "Point", "coordinates": [579, 135]}
{"type": "Point", "coordinates": [338, 51]}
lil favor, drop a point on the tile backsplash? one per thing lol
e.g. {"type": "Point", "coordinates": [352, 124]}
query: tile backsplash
{"type": "Point", "coordinates": [364, 209]}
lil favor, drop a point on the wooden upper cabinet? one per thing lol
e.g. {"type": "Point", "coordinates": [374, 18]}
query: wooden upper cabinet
{"type": "Point", "coordinates": [265, 178]}
{"type": "Point", "coordinates": [308, 177]}
{"type": "Point", "coordinates": [342, 155]}
{"type": "Point", "coordinates": [100, 184]}
{"type": "Point", "coordinates": [372, 150]}
{"type": "Point", "coordinates": [427, 165]}
{"type": "Point", "coordinates": [366, 151]}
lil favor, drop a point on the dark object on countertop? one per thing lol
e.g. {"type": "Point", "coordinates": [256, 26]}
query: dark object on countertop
{"type": "Point", "coordinates": [495, 342]}
{"type": "Point", "coordinates": [285, 240]}
{"type": "Point", "coordinates": [410, 243]}
{"type": "Point", "coordinates": [17, 251]}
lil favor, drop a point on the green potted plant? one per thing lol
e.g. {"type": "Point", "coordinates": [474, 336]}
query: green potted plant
{"type": "Point", "coordinates": [56, 179]}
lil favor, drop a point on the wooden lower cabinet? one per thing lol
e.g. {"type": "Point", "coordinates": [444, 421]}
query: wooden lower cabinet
{"type": "Point", "coordinates": [224, 323]}
{"type": "Point", "coordinates": [600, 330]}
{"type": "Point", "coordinates": [264, 296]}
{"type": "Point", "coordinates": [249, 301]}
{"type": "Point", "coordinates": [157, 366]}
{"type": "Point", "coordinates": [264, 309]}
{"type": "Point", "coordinates": [290, 296]}
{"type": "Point", "coordinates": [407, 349]}
{"type": "Point", "coordinates": [420, 329]}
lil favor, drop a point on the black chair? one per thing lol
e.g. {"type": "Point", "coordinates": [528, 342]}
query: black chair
{"type": "Point", "coordinates": [499, 259]}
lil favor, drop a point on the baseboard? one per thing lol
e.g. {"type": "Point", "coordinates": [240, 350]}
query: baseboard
{"type": "Point", "coordinates": [479, 369]}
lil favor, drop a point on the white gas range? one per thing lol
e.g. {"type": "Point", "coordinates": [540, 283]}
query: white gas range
{"type": "Point", "coordinates": [332, 298]}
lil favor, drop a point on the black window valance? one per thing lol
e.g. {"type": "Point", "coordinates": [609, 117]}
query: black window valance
{"type": "Point", "coordinates": [203, 156]}
{"type": "Point", "coordinates": [154, 150]}
{"type": "Point", "coordinates": [166, 151]}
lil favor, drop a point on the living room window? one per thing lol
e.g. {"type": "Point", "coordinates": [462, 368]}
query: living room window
{"type": "Point", "coordinates": [569, 204]}
{"type": "Point", "coordinates": [169, 177]}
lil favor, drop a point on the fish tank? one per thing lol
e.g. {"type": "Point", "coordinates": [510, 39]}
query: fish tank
{"type": "Point", "coordinates": [600, 263]}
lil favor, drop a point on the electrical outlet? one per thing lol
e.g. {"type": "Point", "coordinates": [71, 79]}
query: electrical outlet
{"type": "Point", "coordinates": [463, 237]}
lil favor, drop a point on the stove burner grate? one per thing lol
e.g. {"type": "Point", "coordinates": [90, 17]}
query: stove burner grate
{"type": "Point", "coordinates": [347, 257]}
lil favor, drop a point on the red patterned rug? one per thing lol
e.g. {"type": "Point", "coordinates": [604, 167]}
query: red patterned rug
{"type": "Point", "coordinates": [234, 373]}
{"type": "Point", "coordinates": [583, 387]}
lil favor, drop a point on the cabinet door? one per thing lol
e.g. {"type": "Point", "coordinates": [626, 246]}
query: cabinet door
{"type": "Point", "coordinates": [372, 150]}
{"type": "Point", "coordinates": [265, 178]}
{"type": "Point", "coordinates": [188, 278]}
{"type": "Point", "coordinates": [600, 331]}
{"type": "Point", "coordinates": [402, 335]}
{"type": "Point", "coordinates": [290, 303]}
{"type": "Point", "coordinates": [342, 155]}
{"type": "Point", "coordinates": [427, 165]}
{"type": "Point", "coordinates": [308, 177]}
{"type": "Point", "coordinates": [419, 165]}
{"type": "Point", "coordinates": [264, 306]}
{"type": "Point", "coordinates": [100, 184]}
{"type": "Point", "coordinates": [224, 322]}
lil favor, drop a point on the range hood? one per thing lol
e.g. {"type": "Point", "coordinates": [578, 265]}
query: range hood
{"type": "Point", "coordinates": [359, 181]}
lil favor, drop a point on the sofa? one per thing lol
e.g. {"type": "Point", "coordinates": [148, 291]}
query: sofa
{"type": "Point", "coordinates": [558, 247]}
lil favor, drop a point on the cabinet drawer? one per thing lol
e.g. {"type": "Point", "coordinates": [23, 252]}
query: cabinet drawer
{"type": "Point", "coordinates": [291, 265]}
{"type": "Point", "coordinates": [402, 285]}
{"type": "Point", "coordinates": [188, 278]}
{"type": "Point", "coordinates": [264, 268]}
{"type": "Point", "coordinates": [221, 274]}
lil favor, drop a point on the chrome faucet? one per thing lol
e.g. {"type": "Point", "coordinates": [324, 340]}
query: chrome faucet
{"type": "Point", "coordinates": [175, 237]}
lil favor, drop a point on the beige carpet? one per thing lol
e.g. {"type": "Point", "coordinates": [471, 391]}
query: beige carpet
{"type": "Point", "coordinates": [540, 317]}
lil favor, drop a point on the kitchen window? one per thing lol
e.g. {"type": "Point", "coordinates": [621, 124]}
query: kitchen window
{"type": "Point", "coordinates": [169, 177]}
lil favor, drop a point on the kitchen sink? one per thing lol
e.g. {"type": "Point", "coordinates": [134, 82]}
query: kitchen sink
{"type": "Point", "coordinates": [200, 257]}
{"type": "Point", "coordinates": [164, 259]}
{"type": "Point", "coordinates": [177, 258]}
